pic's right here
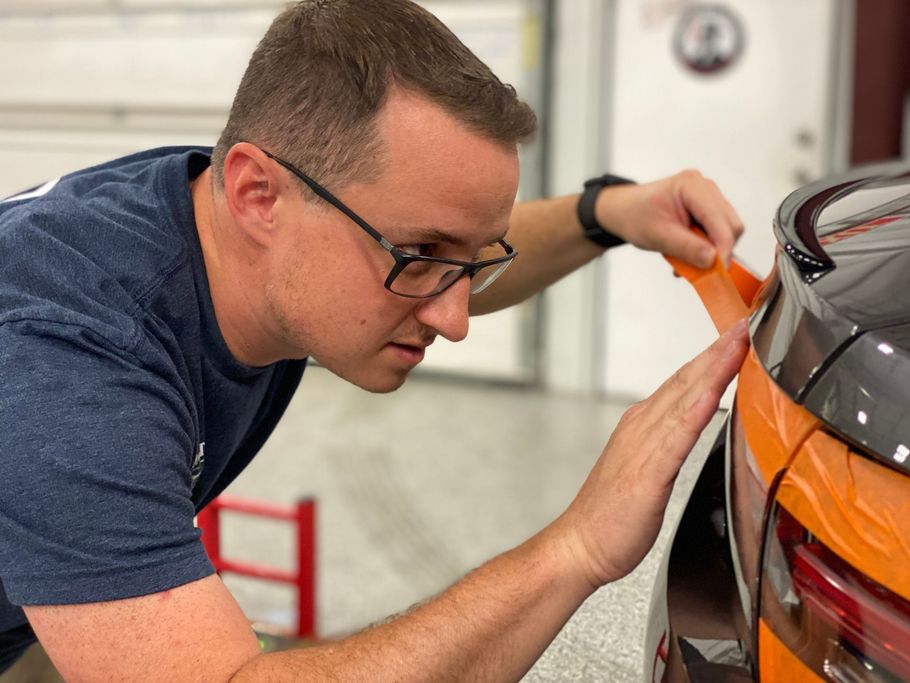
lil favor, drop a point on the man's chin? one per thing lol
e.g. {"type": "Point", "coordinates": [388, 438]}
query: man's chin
{"type": "Point", "coordinates": [374, 382]}
{"type": "Point", "coordinates": [385, 385]}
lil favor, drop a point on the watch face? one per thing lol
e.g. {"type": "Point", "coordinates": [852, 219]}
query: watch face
{"type": "Point", "coordinates": [708, 39]}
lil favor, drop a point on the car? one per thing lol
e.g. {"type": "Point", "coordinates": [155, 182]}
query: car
{"type": "Point", "coordinates": [791, 560]}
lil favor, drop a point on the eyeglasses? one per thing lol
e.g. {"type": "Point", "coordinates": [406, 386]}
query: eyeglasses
{"type": "Point", "coordinates": [414, 275]}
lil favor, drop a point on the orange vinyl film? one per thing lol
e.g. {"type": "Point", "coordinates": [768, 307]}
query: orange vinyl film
{"type": "Point", "coordinates": [718, 291]}
{"type": "Point", "coordinates": [855, 506]}
{"type": "Point", "coordinates": [747, 283]}
{"type": "Point", "coordinates": [774, 425]}
{"type": "Point", "coordinates": [776, 663]}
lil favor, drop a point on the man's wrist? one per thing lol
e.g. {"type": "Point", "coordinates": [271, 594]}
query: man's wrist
{"type": "Point", "coordinates": [567, 550]}
{"type": "Point", "coordinates": [591, 227]}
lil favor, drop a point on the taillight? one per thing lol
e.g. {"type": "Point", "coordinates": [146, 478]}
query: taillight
{"type": "Point", "coordinates": [842, 624]}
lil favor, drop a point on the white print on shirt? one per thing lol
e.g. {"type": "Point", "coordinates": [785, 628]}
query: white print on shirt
{"type": "Point", "coordinates": [37, 192]}
{"type": "Point", "coordinates": [198, 464]}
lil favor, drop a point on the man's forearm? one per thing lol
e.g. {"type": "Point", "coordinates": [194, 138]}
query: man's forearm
{"type": "Point", "coordinates": [490, 626]}
{"type": "Point", "coordinates": [550, 244]}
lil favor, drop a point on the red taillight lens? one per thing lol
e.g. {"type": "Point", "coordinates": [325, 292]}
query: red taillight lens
{"type": "Point", "coordinates": [838, 621]}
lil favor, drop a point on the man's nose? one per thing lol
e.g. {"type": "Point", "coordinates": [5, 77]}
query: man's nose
{"type": "Point", "coordinates": [447, 313]}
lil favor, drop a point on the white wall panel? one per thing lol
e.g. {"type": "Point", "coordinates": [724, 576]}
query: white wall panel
{"type": "Point", "coordinates": [179, 60]}
{"type": "Point", "coordinates": [571, 343]}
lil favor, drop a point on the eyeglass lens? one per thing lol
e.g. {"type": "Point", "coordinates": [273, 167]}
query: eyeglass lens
{"type": "Point", "coordinates": [426, 278]}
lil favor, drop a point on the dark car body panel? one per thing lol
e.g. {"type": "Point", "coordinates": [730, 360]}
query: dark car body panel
{"type": "Point", "coordinates": [834, 333]}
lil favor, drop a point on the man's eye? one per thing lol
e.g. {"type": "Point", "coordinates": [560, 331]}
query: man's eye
{"type": "Point", "coordinates": [418, 249]}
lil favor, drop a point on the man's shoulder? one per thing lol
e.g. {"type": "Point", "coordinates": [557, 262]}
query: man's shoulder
{"type": "Point", "coordinates": [136, 167]}
{"type": "Point", "coordinates": [148, 191]}
{"type": "Point", "coordinates": [96, 243]}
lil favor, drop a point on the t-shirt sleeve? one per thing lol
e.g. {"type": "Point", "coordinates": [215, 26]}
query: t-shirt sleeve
{"type": "Point", "coordinates": [95, 483]}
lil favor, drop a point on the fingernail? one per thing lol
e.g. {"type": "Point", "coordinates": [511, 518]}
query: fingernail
{"type": "Point", "coordinates": [706, 257]}
{"type": "Point", "coordinates": [734, 336]}
{"type": "Point", "coordinates": [739, 327]}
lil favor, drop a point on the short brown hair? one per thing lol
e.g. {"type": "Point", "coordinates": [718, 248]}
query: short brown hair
{"type": "Point", "coordinates": [323, 70]}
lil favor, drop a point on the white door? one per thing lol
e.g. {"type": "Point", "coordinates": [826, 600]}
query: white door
{"type": "Point", "coordinates": [748, 93]}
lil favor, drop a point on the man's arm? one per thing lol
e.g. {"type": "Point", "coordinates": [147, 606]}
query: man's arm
{"type": "Point", "coordinates": [654, 216]}
{"type": "Point", "coordinates": [492, 625]}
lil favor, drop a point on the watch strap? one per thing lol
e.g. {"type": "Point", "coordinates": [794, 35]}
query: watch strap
{"type": "Point", "coordinates": [591, 229]}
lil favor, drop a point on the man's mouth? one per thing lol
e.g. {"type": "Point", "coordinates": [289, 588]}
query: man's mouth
{"type": "Point", "coordinates": [410, 353]}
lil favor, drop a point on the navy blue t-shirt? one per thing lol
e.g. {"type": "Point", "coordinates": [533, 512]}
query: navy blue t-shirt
{"type": "Point", "coordinates": [122, 411]}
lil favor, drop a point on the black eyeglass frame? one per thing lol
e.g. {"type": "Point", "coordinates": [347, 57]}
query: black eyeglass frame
{"type": "Point", "coordinates": [402, 258]}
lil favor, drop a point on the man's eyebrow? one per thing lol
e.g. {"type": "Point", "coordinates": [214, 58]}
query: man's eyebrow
{"type": "Point", "coordinates": [427, 235]}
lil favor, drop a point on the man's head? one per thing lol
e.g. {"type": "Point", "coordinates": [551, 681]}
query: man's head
{"type": "Point", "coordinates": [323, 71]}
{"type": "Point", "coordinates": [382, 105]}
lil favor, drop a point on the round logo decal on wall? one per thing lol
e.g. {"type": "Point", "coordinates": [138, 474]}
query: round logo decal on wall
{"type": "Point", "coordinates": [708, 39]}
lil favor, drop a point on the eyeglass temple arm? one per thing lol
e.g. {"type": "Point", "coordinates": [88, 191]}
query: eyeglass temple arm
{"type": "Point", "coordinates": [323, 193]}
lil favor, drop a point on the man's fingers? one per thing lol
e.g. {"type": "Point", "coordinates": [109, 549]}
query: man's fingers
{"type": "Point", "coordinates": [709, 373]}
{"type": "Point", "coordinates": [685, 406]}
{"type": "Point", "coordinates": [715, 367]}
{"type": "Point", "coordinates": [618, 512]}
{"type": "Point", "coordinates": [689, 247]}
{"type": "Point", "coordinates": [724, 228]}
{"type": "Point", "coordinates": [716, 215]}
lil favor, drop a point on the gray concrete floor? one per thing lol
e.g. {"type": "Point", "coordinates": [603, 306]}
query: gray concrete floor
{"type": "Point", "coordinates": [418, 487]}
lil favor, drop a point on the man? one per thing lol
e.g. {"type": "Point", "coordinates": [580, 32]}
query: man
{"type": "Point", "coordinates": [156, 313]}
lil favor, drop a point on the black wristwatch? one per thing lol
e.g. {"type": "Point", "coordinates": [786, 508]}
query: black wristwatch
{"type": "Point", "coordinates": [593, 230]}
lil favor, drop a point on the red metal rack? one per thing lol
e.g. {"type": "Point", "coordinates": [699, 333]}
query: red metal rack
{"type": "Point", "coordinates": [303, 515]}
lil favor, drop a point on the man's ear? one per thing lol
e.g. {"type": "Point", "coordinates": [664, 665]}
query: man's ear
{"type": "Point", "coordinates": [253, 184]}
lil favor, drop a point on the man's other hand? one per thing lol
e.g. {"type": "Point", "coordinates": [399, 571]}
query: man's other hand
{"type": "Point", "coordinates": [614, 520]}
{"type": "Point", "coordinates": [657, 216]}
